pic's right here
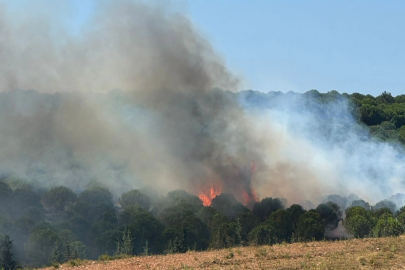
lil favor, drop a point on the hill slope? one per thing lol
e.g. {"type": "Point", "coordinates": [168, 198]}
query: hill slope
{"type": "Point", "coordinates": [381, 253]}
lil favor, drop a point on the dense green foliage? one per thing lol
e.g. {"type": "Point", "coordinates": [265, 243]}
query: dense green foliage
{"type": "Point", "coordinates": [56, 229]}
{"type": "Point", "coordinates": [384, 114]}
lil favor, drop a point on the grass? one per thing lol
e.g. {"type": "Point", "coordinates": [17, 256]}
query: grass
{"type": "Point", "coordinates": [75, 262]}
{"type": "Point", "coordinates": [372, 253]}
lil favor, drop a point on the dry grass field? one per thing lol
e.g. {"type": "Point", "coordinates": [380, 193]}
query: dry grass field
{"type": "Point", "coordinates": [377, 253]}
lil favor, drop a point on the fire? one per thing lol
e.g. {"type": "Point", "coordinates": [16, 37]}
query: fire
{"type": "Point", "coordinates": [207, 196]}
{"type": "Point", "coordinates": [249, 200]}
{"type": "Point", "coordinates": [236, 180]}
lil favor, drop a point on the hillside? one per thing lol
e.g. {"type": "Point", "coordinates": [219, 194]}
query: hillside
{"type": "Point", "coordinates": [380, 253]}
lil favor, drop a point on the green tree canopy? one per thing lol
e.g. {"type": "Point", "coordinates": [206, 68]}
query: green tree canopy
{"type": "Point", "coordinates": [330, 214]}
{"type": "Point", "coordinates": [388, 226]}
{"type": "Point", "coordinates": [40, 245]}
{"type": "Point", "coordinates": [266, 207]}
{"type": "Point", "coordinates": [135, 197]}
{"type": "Point", "coordinates": [309, 227]}
{"type": "Point", "coordinates": [359, 222]}
{"type": "Point", "coordinates": [58, 198]}
{"type": "Point", "coordinates": [227, 205]}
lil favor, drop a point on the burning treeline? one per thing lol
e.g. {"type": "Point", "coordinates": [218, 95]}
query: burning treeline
{"type": "Point", "coordinates": [166, 126]}
{"type": "Point", "coordinates": [238, 182]}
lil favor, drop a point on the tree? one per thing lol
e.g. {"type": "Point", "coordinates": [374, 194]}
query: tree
{"type": "Point", "coordinates": [385, 97]}
{"type": "Point", "coordinates": [58, 198]}
{"type": "Point", "coordinates": [266, 207]}
{"type": "Point", "coordinates": [108, 240]}
{"type": "Point", "coordinates": [40, 244]}
{"type": "Point", "coordinates": [309, 227]}
{"type": "Point", "coordinates": [135, 197]}
{"type": "Point", "coordinates": [386, 204]}
{"type": "Point", "coordinates": [79, 249]}
{"type": "Point", "coordinates": [7, 261]}
{"type": "Point", "coordinates": [401, 218]}
{"type": "Point", "coordinates": [171, 216]}
{"type": "Point", "coordinates": [247, 222]}
{"type": "Point", "coordinates": [371, 115]}
{"type": "Point", "coordinates": [224, 233]}
{"type": "Point", "coordinates": [280, 220]}
{"type": "Point", "coordinates": [125, 247]}
{"type": "Point", "coordinates": [144, 227]}
{"type": "Point", "coordinates": [62, 253]}
{"type": "Point", "coordinates": [24, 198]}
{"type": "Point", "coordinates": [264, 234]}
{"type": "Point", "coordinates": [227, 205]}
{"type": "Point", "coordinates": [196, 234]}
{"type": "Point", "coordinates": [402, 134]}
{"type": "Point", "coordinates": [358, 222]}
{"type": "Point", "coordinates": [96, 205]}
{"type": "Point", "coordinates": [6, 194]}
{"type": "Point", "coordinates": [388, 226]}
{"type": "Point", "coordinates": [293, 214]}
{"type": "Point", "coordinates": [382, 212]}
{"type": "Point", "coordinates": [337, 199]}
{"type": "Point", "coordinates": [57, 254]}
{"type": "Point", "coordinates": [330, 214]}
{"type": "Point", "coordinates": [206, 215]}
{"type": "Point", "coordinates": [357, 96]}
{"type": "Point", "coordinates": [96, 196]}
{"type": "Point", "coordinates": [361, 203]}
{"type": "Point", "coordinates": [174, 241]}
{"type": "Point", "coordinates": [177, 197]}
{"type": "Point", "coordinates": [313, 94]}
{"type": "Point", "coordinates": [68, 254]}
{"type": "Point", "coordinates": [79, 226]}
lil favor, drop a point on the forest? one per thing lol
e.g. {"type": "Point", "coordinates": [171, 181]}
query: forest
{"type": "Point", "coordinates": [42, 226]}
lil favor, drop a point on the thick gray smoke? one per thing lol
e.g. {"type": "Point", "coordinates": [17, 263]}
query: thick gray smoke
{"type": "Point", "coordinates": [166, 127]}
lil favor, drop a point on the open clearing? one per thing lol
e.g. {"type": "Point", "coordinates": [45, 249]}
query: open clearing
{"type": "Point", "coordinates": [373, 253]}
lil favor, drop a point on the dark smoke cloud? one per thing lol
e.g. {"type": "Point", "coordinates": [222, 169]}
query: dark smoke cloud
{"type": "Point", "coordinates": [165, 127]}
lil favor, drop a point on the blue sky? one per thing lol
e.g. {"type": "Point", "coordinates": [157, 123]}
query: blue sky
{"type": "Point", "coordinates": [349, 46]}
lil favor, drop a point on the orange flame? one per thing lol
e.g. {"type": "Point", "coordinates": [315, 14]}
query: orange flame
{"type": "Point", "coordinates": [249, 200]}
{"type": "Point", "coordinates": [206, 197]}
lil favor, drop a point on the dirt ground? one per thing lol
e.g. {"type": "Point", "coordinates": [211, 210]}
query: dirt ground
{"type": "Point", "coordinates": [376, 253]}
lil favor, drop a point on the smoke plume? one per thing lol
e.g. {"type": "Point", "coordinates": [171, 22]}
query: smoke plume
{"type": "Point", "coordinates": [131, 102]}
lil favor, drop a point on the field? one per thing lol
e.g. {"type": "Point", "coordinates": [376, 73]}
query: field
{"type": "Point", "coordinates": [377, 253]}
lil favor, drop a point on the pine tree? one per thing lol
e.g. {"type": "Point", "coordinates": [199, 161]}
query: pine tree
{"type": "Point", "coordinates": [56, 255]}
{"type": "Point", "coordinates": [146, 248]}
{"type": "Point", "coordinates": [75, 254]}
{"type": "Point", "coordinates": [118, 250]}
{"type": "Point", "coordinates": [6, 255]}
{"type": "Point", "coordinates": [68, 252]}
{"type": "Point", "coordinates": [127, 248]}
